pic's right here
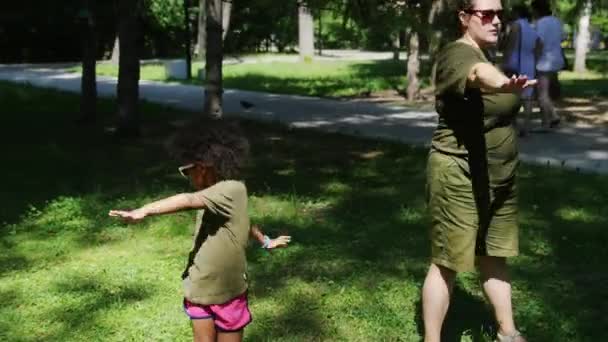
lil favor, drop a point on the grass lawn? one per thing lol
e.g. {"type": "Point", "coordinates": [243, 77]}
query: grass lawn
{"type": "Point", "coordinates": [354, 78]}
{"type": "Point", "coordinates": [318, 78]}
{"type": "Point", "coordinates": [354, 207]}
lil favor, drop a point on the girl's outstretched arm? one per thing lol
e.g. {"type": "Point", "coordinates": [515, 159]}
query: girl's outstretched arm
{"type": "Point", "coordinates": [265, 241]}
{"type": "Point", "coordinates": [164, 206]}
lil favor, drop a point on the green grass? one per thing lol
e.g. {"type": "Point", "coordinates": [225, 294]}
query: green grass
{"type": "Point", "coordinates": [354, 207]}
{"type": "Point", "coordinates": [592, 83]}
{"type": "Point", "coordinates": [318, 78]}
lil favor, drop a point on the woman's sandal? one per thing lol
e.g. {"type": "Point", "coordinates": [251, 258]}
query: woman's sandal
{"type": "Point", "coordinates": [514, 337]}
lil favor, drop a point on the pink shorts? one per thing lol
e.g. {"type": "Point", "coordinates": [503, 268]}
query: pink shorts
{"type": "Point", "coordinates": [233, 315]}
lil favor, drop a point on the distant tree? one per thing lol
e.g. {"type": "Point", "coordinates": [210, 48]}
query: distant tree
{"type": "Point", "coordinates": [128, 67]}
{"type": "Point", "coordinates": [583, 37]}
{"type": "Point", "coordinates": [88, 85]}
{"type": "Point", "coordinates": [213, 57]}
{"type": "Point", "coordinates": [306, 31]}
{"type": "Point", "coordinates": [187, 39]}
{"type": "Point", "coordinates": [201, 39]}
{"type": "Point", "coordinates": [202, 19]}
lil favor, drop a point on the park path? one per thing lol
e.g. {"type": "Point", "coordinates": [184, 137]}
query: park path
{"type": "Point", "coordinates": [574, 145]}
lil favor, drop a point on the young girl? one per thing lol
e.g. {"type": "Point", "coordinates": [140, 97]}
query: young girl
{"type": "Point", "coordinates": [215, 278]}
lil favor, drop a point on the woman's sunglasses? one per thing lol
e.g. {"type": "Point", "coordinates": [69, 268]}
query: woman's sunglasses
{"type": "Point", "coordinates": [486, 15]}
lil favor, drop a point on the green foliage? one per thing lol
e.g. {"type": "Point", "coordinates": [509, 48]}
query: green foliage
{"type": "Point", "coordinates": [257, 25]}
{"type": "Point", "coordinates": [599, 19]}
{"type": "Point", "coordinates": [337, 31]}
{"type": "Point", "coordinates": [166, 14]}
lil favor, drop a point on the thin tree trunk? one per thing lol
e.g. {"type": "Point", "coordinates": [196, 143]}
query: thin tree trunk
{"type": "Point", "coordinates": [187, 39]}
{"type": "Point", "coordinates": [320, 34]}
{"type": "Point", "coordinates": [583, 37]}
{"type": "Point", "coordinates": [305, 32]}
{"type": "Point", "coordinates": [88, 85]}
{"type": "Point", "coordinates": [213, 58]}
{"type": "Point", "coordinates": [435, 34]}
{"type": "Point", "coordinates": [128, 70]}
{"type": "Point", "coordinates": [226, 13]}
{"type": "Point", "coordinates": [201, 41]}
{"type": "Point", "coordinates": [115, 51]}
{"type": "Point", "coordinates": [413, 67]}
{"type": "Point", "coordinates": [396, 45]}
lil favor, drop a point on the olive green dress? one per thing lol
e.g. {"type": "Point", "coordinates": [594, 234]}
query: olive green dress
{"type": "Point", "coordinates": [472, 165]}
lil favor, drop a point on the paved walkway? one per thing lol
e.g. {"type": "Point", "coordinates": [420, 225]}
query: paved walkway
{"type": "Point", "coordinates": [572, 146]}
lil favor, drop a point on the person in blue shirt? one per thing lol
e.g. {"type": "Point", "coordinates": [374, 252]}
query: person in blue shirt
{"type": "Point", "coordinates": [521, 51]}
{"type": "Point", "coordinates": [550, 61]}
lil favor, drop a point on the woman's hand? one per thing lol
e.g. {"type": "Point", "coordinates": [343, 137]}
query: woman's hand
{"type": "Point", "coordinates": [129, 216]}
{"type": "Point", "coordinates": [517, 83]}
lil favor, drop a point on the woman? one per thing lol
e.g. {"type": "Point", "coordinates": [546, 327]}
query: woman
{"type": "Point", "coordinates": [521, 51]}
{"type": "Point", "coordinates": [471, 171]}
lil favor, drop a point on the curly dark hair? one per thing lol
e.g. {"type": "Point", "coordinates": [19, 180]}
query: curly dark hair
{"type": "Point", "coordinates": [219, 142]}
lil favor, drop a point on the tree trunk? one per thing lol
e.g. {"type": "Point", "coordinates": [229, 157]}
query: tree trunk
{"type": "Point", "coordinates": [436, 34]}
{"type": "Point", "coordinates": [396, 45]}
{"type": "Point", "coordinates": [226, 13]}
{"type": "Point", "coordinates": [213, 60]}
{"type": "Point", "coordinates": [583, 37]}
{"type": "Point", "coordinates": [202, 31]}
{"type": "Point", "coordinates": [305, 32]}
{"type": "Point", "coordinates": [187, 39]}
{"type": "Point", "coordinates": [88, 83]}
{"type": "Point", "coordinates": [320, 34]}
{"type": "Point", "coordinates": [128, 69]}
{"type": "Point", "coordinates": [201, 41]}
{"type": "Point", "coordinates": [413, 67]}
{"type": "Point", "coordinates": [115, 51]}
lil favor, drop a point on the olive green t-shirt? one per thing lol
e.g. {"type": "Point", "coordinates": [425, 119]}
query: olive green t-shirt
{"type": "Point", "coordinates": [475, 125]}
{"type": "Point", "coordinates": [217, 266]}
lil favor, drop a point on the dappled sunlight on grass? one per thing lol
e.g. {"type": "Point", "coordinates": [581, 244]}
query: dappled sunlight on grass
{"type": "Point", "coordinates": [580, 215]}
{"type": "Point", "coordinates": [319, 78]}
{"type": "Point", "coordinates": [336, 187]}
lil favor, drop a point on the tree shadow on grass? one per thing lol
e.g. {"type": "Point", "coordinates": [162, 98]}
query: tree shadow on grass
{"type": "Point", "coordinates": [561, 294]}
{"type": "Point", "coordinates": [468, 315]}
{"type": "Point", "coordinates": [298, 320]}
{"type": "Point", "coordinates": [591, 110]}
{"type": "Point", "coordinates": [11, 261]}
{"type": "Point", "coordinates": [94, 298]}
{"type": "Point", "coordinates": [599, 64]}
{"type": "Point", "coordinates": [9, 299]}
{"type": "Point", "coordinates": [585, 88]}
{"type": "Point", "coordinates": [371, 232]}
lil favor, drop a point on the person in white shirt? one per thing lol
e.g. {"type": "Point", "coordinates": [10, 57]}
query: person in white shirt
{"type": "Point", "coordinates": [550, 62]}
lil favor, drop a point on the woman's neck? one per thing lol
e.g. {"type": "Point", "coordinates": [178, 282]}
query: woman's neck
{"type": "Point", "coordinates": [467, 39]}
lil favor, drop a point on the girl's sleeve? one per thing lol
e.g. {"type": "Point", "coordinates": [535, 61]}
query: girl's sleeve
{"type": "Point", "coordinates": [219, 198]}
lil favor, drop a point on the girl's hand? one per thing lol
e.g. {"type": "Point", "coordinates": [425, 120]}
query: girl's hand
{"type": "Point", "coordinates": [279, 242]}
{"type": "Point", "coordinates": [517, 84]}
{"type": "Point", "coordinates": [131, 216]}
